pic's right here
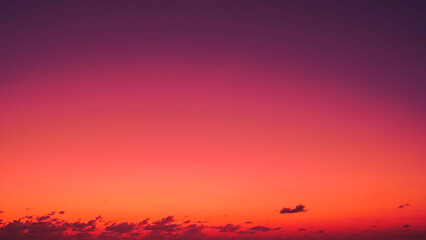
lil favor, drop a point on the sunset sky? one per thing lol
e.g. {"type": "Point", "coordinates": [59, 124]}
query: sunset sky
{"type": "Point", "coordinates": [222, 112]}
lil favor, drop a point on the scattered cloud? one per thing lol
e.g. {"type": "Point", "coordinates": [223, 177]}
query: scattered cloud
{"type": "Point", "coordinates": [404, 205]}
{"type": "Point", "coordinates": [163, 225]}
{"type": "Point", "coordinates": [246, 232]}
{"type": "Point", "coordinates": [193, 229]}
{"type": "Point", "coordinates": [228, 228]}
{"type": "Point", "coordinates": [298, 208]}
{"type": "Point", "coordinates": [260, 229]}
{"type": "Point", "coordinates": [42, 218]}
{"type": "Point", "coordinates": [47, 227]}
{"type": "Point", "coordinates": [121, 228]}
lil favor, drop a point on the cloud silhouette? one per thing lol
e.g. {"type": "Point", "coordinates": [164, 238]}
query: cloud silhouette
{"type": "Point", "coordinates": [193, 229]}
{"type": "Point", "coordinates": [48, 228]}
{"type": "Point", "coordinates": [42, 218]}
{"type": "Point", "coordinates": [163, 225]}
{"type": "Point", "coordinates": [121, 227]}
{"type": "Point", "coordinates": [246, 232]}
{"type": "Point", "coordinates": [90, 226]}
{"type": "Point", "coordinates": [143, 222]}
{"type": "Point", "coordinates": [260, 229]}
{"type": "Point", "coordinates": [298, 208]}
{"type": "Point", "coordinates": [44, 227]}
{"type": "Point", "coordinates": [228, 228]}
{"type": "Point", "coordinates": [404, 205]}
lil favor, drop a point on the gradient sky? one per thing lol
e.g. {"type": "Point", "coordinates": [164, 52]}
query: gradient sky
{"type": "Point", "coordinates": [218, 111]}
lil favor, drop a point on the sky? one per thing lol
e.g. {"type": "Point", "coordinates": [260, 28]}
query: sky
{"type": "Point", "coordinates": [212, 119]}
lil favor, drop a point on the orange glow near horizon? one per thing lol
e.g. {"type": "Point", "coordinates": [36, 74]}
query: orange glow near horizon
{"type": "Point", "coordinates": [150, 150]}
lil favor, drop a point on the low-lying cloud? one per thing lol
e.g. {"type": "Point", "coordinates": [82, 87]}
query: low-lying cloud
{"type": "Point", "coordinates": [49, 227]}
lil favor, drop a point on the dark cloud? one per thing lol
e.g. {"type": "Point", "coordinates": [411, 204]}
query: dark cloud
{"type": "Point", "coordinates": [228, 228]}
{"type": "Point", "coordinates": [1, 211]}
{"type": "Point", "coordinates": [404, 205]}
{"type": "Point", "coordinates": [298, 208]}
{"type": "Point", "coordinates": [28, 217]}
{"type": "Point", "coordinates": [143, 222]}
{"type": "Point", "coordinates": [193, 229]}
{"type": "Point", "coordinates": [246, 232]}
{"type": "Point", "coordinates": [44, 227]}
{"type": "Point", "coordinates": [163, 225]}
{"type": "Point", "coordinates": [49, 228]}
{"type": "Point", "coordinates": [42, 218]}
{"type": "Point", "coordinates": [89, 226]}
{"type": "Point", "coordinates": [248, 222]}
{"type": "Point", "coordinates": [260, 229]}
{"type": "Point", "coordinates": [121, 228]}
{"type": "Point", "coordinates": [61, 212]}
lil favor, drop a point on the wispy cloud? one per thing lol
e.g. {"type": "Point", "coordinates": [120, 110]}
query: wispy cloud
{"type": "Point", "coordinates": [404, 205]}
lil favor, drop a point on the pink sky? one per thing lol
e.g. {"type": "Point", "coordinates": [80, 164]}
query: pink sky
{"type": "Point", "coordinates": [217, 113]}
